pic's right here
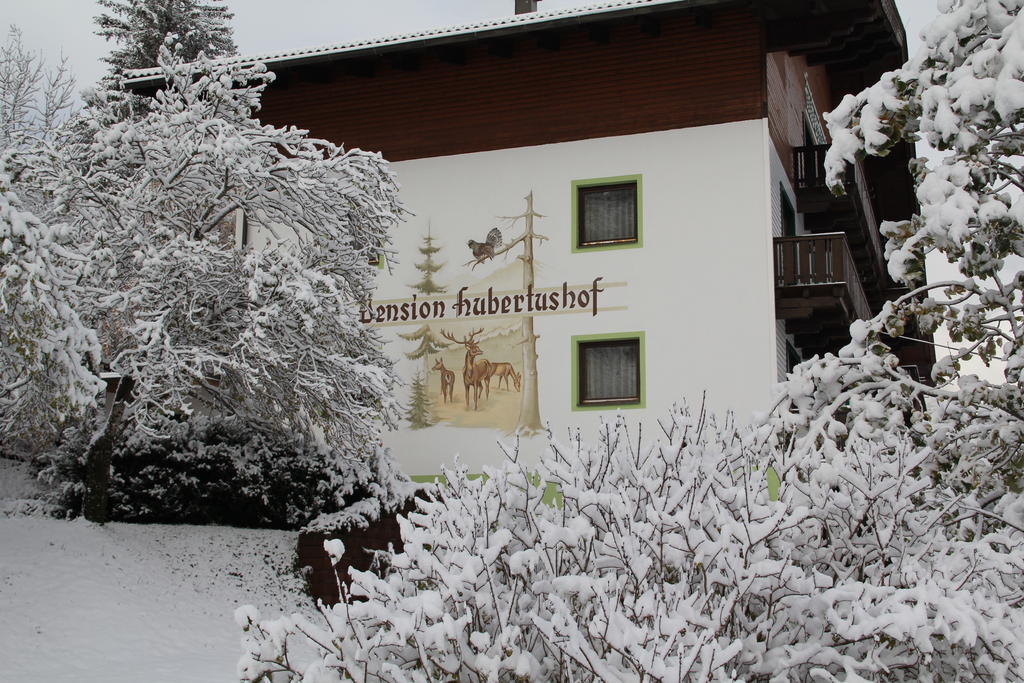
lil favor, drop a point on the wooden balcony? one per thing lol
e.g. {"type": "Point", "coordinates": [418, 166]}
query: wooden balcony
{"type": "Point", "coordinates": [853, 214]}
{"type": "Point", "coordinates": [818, 291]}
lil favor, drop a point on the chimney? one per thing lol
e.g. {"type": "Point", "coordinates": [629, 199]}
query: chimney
{"type": "Point", "coordinates": [526, 6]}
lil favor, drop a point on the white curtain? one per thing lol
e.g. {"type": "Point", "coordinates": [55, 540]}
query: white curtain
{"type": "Point", "coordinates": [611, 371]}
{"type": "Point", "coordinates": [609, 214]}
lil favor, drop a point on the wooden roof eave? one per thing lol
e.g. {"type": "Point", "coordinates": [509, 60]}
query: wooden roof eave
{"type": "Point", "coordinates": [149, 82]}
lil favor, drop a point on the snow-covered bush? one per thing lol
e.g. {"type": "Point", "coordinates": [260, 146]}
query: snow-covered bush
{"type": "Point", "coordinates": [671, 561]}
{"type": "Point", "coordinates": [204, 471]}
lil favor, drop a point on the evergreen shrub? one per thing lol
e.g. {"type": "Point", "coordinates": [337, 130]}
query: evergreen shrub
{"type": "Point", "coordinates": [206, 471]}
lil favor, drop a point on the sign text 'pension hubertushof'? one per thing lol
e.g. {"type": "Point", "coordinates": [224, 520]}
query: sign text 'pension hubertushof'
{"type": "Point", "coordinates": [466, 305]}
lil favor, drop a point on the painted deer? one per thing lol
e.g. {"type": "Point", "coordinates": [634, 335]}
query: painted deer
{"type": "Point", "coordinates": [503, 371]}
{"type": "Point", "coordinates": [474, 372]}
{"type": "Point", "coordinates": [447, 381]}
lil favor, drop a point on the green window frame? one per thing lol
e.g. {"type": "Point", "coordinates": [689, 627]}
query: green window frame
{"type": "Point", "coordinates": [582, 188]}
{"type": "Point", "coordinates": [579, 345]}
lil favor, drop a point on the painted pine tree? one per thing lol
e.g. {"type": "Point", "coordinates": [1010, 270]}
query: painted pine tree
{"type": "Point", "coordinates": [428, 267]}
{"type": "Point", "coordinates": [428, 343]}
{"type": "Point", "coordinates": [419, 414]}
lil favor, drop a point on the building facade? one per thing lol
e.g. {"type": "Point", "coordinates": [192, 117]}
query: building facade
{"type": "Point", "coordinates": [612, 209]}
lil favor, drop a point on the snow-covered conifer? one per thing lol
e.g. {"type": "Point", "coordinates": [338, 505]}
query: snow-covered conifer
{"type": "Point", "coordinates": [139, 27]}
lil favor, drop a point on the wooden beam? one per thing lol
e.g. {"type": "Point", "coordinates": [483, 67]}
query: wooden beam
{"type": "Point", "coordinates": [405, 61]}
{"type": "Point", "coordinates": [500, 47]}
{"type": "Point", "coordinates": [856, 56]}
{"type": "Point", "coordinates": [549, 41]}
{"type": "Point", "coordinates": [452, 54]}
{"type": "Point", "coordinates": [813, 33]}
{"type": "Point", "coordinates": [600, 33]}
{"type": "Point", "coordinates": [650, 26]}
{"type": "Point", "coordinates": [866, 43]}
{"type": "Point", "coordinates": [360, 68]}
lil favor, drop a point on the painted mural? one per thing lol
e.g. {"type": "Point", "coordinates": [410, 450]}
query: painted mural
{"type": "Point", "coordinates": [470, 327]}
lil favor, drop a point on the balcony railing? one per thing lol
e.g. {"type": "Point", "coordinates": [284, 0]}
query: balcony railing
{"type": "Point", "coordinates": [809, 176]}
{"type": "Point", "coordinates": [809, 166]}
{"type": "Point", "coordinates": [823, 259]}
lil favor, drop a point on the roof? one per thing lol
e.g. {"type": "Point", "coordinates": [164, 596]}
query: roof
{"type": "Point", "coordinates": [483, 29]}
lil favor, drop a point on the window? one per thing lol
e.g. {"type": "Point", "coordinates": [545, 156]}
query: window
{"type": "Point", "coordinates": [607, 213]}
{"type": "Point", "coordinates": [608, 371]}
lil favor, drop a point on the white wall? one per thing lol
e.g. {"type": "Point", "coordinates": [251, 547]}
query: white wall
{"type": "Point", "coordinates": [700, 287]}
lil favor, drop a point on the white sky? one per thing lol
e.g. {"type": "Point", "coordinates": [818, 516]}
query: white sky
{"type": "Point", "coordinates": [264, 26]}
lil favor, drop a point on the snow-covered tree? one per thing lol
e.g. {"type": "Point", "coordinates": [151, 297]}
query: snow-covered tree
{"type": "Point", "coordinates": [271, 336]}
{"type": "Point", "coordinates": [34, 99]}
{"type": "Point", "coordinates": [670, 561]}
{"type": "Point", "coordinates": [963, 94]}
{"type": "Point", "coordinates": [139, 27]}
{"type": "Point", "coordinates": [45, 349]}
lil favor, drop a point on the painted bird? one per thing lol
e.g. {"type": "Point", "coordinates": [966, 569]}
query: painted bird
{"type": "Point", "coordinates": [485, 250]}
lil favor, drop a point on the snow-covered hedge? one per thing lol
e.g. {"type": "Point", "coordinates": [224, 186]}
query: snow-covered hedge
{"type": "Point", "coordinates": [205, 471]}
{"type": "Point", "coordinates": [671, 561]}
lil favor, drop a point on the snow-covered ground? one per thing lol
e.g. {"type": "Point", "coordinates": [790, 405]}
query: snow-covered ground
{"type": "Point", "coordinates": [124, 602]}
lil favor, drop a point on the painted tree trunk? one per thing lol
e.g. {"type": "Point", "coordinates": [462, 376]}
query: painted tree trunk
{"type": "Point", "coordinates": [529, 409]}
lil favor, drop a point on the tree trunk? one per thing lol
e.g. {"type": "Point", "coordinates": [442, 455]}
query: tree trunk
{"type": "Point", "coordinates": [99, 455]}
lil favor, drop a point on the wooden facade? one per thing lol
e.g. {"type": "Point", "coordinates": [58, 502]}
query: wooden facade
{"type": "Point", "coordinates": [786, 77]}
{"type": "Point", "coordinates": [631, 76]}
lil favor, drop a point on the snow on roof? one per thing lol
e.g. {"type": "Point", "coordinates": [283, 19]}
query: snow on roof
{"type": "Point", "coordinates": [140, 76]}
